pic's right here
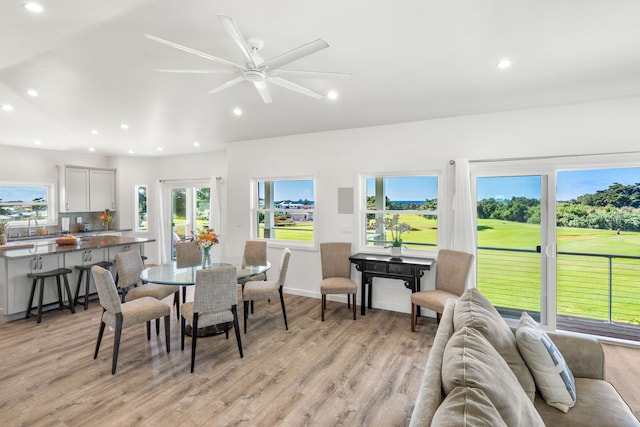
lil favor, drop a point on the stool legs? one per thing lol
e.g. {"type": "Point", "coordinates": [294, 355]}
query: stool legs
{"type": "Point", "coordinates": [41, 295]}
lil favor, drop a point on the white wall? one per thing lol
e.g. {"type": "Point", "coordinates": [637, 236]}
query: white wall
{"type": "Point", "coordinates": [337, 158]}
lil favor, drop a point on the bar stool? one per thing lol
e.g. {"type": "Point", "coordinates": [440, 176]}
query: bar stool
{"type": "Point", "coordinates": [42, 276]}
{"type": "Point", "coordinates": [87, 268]}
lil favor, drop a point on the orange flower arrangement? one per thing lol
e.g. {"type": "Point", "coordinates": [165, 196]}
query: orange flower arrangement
{"type": "Point", "coordinates": [106, 217]}
{"type": "Point", "coordinates": [206, 237]}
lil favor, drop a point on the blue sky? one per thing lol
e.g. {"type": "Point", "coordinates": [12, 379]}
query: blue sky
{"type": "Point", "coordinates": [21, 193]}
{"type": "Point", "coordinates": [407, 188]}
{"type": "Point", "coordinates": [570, 184]}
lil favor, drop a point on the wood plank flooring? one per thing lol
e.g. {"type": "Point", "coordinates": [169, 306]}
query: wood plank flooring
{"type": "Point", "coordinates": [341, 372]}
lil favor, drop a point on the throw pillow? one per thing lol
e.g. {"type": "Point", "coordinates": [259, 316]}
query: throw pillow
{"type": "Point", "coordinates": [469, 360]}
{"type": "Point", "coordinates": [466, 406]}
{"type": "Point", "coordinates": [553, 377]}
{"type": "Point", "coordinates": [474, 310]}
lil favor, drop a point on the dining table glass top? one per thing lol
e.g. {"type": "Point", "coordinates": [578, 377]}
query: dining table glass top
{"type": "Point", "coordinates": [170, 274]}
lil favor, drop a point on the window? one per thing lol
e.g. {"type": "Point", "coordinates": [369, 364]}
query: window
{"type": "Point", "coordinates": [284, 210]}
{"type": "Point", "coordinates": [23, 203]}
{"type": "Point", "coordinates": [413, 198]}
{"type": "Point", "coordinates": [142, 222]}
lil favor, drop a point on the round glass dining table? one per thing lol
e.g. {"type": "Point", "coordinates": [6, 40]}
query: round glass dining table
{"type": "Point", "coordinates": [170, 274]}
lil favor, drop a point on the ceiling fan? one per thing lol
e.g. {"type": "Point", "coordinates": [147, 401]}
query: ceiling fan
{"type": "Point", "coordinates": [256, 70]}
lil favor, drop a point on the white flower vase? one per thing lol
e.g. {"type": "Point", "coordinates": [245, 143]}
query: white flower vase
{"type": "Point", "coordinates": [396, 251]}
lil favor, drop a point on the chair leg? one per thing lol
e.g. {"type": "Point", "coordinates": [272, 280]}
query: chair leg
{"type": "Point", "coordinates": [39, 319]}
{"type": "Point", "coordinates": [31, 294]}
{"type": "Point", "coordinates": [116, 342]}
{"type": "Point", "coordinates": [182, 325]}
{"type": "Point", "coordinates": [236, 327]}
{"type": "Point", "coordinates": [158, 327]}
{"type": "Point", "coordinates": [148, 331]}
{"type": "Point", "coordinates": [167, 335]}
{"type": "Point", "coordinates": [100, 333]}
{"type": "Point", "coordinates": [413, 317]}
{"type": "Point", "coordinates": [438, 316]}
{"type": "Point", "coordinates": [68, 289]}
{"type": "Point", "coordinates": [78, 284]}
{"type": "Point", "coordinates": [194, 339]}
{"type": "Point", "coordinates": [324, 304]}
{"type": "Point", "coordinates": [354, 306]}
{"type": "Point", "coordinates": [176, 301]}
{"type": "Point", "coordinates": [284, 312]}
{"type": "Point", "coordinates": [184, 294]}
{"type": "Point", "coordinates": [349, 300]}
{"type": "Point", "coordinates": [246, 315]}
{"type": "Point", "coordinates": [59, 288]}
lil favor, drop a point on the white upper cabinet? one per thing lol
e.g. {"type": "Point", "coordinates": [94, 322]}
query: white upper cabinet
{"type": "Point", "coordinates": [88, 190]}
{"type": "Point", "coordinates": [102, 189]}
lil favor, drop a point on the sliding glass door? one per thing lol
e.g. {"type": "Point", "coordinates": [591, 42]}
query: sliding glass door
{"type": "Point", "coordinates": [190, 210]}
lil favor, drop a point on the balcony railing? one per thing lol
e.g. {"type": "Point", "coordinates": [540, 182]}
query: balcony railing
{"type": "Point", "coordinates": [602, 290]}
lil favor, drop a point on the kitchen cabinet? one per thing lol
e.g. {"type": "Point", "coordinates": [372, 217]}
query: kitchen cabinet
{"type": "Point", "coordinates": [88, 189]}
{"type": "Point", "coordinates": [20, 285]}
{"type": "Point", "coordinates": [85, 257]}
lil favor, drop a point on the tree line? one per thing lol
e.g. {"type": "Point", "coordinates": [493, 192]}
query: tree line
{"type": "Point", "coordinates": [616, 208]}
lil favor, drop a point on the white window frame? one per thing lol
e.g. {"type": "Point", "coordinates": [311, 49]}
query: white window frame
{"type": "Point", "coordinates": [52, 216]}
{"type": "Point", "coordinates": [363, 211]}
{"type": "Point", "coordinates": [255, 209]}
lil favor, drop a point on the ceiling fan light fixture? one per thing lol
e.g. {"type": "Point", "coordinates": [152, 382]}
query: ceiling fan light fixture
{"type": "Point", "coordinates": [254, 76]}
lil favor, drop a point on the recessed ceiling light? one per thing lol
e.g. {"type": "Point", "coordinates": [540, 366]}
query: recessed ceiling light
{"type": "Point", "coordinates": [92, 149]}
{"type": "Point", "coordinates": [32, 92]}
{"type": "Point", "coordinates": [237, 111]}
{"type": "Point", "coordinates": [332, 94]}
{"type": "Point", "coordinates": [94, 132]}
{"type": "Point", "coordinates": [159, 148]}
{"type": "Point", "coordinates": [37, 142]}
{"type": "Point", "coordinates": [34, 7]}
{"type": "Point", "coordinates": [130, 151]}
{"type": "Point", "coordinates": [503, 64]}
{"type": "Point", "coordinates": [196, 144]}
{"type": "Point", "coordinates": [7, 107]}
{"type": "Point", "coordinates": [124, 126]}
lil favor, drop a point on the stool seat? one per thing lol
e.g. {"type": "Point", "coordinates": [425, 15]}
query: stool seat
{"type": "Point", "coordinates": [87, 268]}
{"type": "Point", "coordinates": [42, 276]}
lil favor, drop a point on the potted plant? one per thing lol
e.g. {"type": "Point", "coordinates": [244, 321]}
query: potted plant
{"type": "Point", "coordinates": [395, 229]}
{"type": "Point", "coordinates": [4, 226]}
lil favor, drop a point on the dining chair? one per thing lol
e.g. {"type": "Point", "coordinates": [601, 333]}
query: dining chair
{"type": "Point", "coordinates": [336, 273]}
{"type": "Point", "coordinates": [129, 265]}
{"type": "Point", "coordinates": [452, 269]}
{"type": "Point", "coordinates": [188, 254]}
{"type": "Point", "coordinates": [118, 315]}
{"type": "Point", "coordinates": [214, 302]}
{"type": "Point", "coordinates": [267, 289]}
{"type": "Point", "coordinates": [255, 251]}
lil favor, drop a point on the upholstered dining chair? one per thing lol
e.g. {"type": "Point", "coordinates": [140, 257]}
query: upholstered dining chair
{"type": "Point", "coordinates": [452, 269]}
{"type": "Point", "coordinates": [267, 289]}
{"type": "Point", "coordinates": [214, 303]}
{"type": "Point", "coordinates": [336, 273]}
{"type": "Point", "coordinates": [119, 316]}
{"type": "Point", "coordinates": [129, 265]}
{"type": "Point", "coordinates": [188, 254]}
{"type": "Point", "coordinates": [255, 251]}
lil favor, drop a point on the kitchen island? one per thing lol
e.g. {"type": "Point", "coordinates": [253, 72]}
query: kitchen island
{"type": "Point", "coordinates": [46, 255]}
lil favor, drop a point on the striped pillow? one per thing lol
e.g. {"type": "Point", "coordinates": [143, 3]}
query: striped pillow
{"type": "Point", "coordinates": [550, 371]}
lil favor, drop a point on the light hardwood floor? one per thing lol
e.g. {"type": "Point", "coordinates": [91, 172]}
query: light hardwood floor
{"type": "Point", "coordinates": [341, 372]}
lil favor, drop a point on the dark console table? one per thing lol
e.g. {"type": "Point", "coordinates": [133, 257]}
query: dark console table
{"type": "Point", "coordinates": [407, 269]}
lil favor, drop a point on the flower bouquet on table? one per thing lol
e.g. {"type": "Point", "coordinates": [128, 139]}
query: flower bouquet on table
{"type": "Point", "coordinates": [106, 218]}
{"type": "Point", "coordinates": [205, 238]}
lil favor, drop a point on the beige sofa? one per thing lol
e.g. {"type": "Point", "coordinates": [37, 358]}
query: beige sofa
{"type": "Point", "coordinates": [491, 395]}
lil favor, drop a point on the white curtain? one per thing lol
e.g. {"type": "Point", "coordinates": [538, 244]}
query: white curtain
{"type": "Point", "coordinates": [216, 209]}
{"type": "Point", "coordinates": [161, 243]}
{"type": "Point", "coordinates": [464, 231]}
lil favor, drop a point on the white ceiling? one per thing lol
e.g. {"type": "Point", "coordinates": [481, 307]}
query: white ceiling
{"type": "Point", "coordinates": [410, 60]}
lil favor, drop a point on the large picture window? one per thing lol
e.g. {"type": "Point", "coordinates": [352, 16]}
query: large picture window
{"type": "Point", "coordinates": [22, 204]}
{"type": "Point", "coordinates": [284, 210]}
{"type": "Point", "coordinates": [413, 198]}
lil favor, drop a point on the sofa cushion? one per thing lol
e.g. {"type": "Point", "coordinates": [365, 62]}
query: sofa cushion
{"type": "Point", "coordinates": [466, 406]}
{"type": "Point", "coordinates": [474, 310]}
{"type": "Point", "coordinates": [469, 360]}
{"type": "Point", "coordinates": [552, 375]}
{"type": "Point", "coordinates": [598, 404]}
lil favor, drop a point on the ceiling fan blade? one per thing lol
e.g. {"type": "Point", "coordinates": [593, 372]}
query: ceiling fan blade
{"type": "Point", "coordinates": [295, 87]}
{"type": "Point", "coordinates": [295, 54]}
{"type": "Point", "coordinates": [226, 85]}
{"type": "Point", "coordinates": [193, 51]}
{"type": "Point", "coordinates": [311, 74]}
{"type": "Point", "coordinates": [196, 71]}
{"type": "Point", "coordinates": [264, 91]}
{"type": "Point", "coordinates": [232, 28]}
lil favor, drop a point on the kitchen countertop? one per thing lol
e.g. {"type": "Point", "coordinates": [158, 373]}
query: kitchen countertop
{"type": "Point", "coordinates": [46, 247]}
